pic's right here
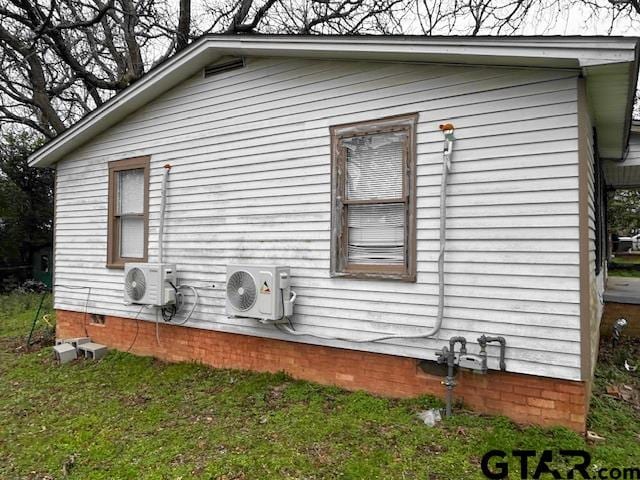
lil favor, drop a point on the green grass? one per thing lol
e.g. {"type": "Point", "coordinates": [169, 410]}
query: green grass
{"type": "Point", "coordinates": [18, 311]}
{"type": "Point", "coordinates": [626, 259]}
{"type": "Point", "coordinates": [619, 272]}
{"type": "Point", "coordinates": [128, 417]}
{"type": "Point", "coordinates": [624, 265]}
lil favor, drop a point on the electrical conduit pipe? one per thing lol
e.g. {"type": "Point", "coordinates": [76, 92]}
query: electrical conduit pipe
{"type": "Point", "coordinates": [163, 204]}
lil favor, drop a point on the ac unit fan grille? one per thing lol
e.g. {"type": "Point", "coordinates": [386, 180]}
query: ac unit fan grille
{"type": "Point", "coordinates": [241, 290]}
{"type": "Point", "coordinates": [135, 284]}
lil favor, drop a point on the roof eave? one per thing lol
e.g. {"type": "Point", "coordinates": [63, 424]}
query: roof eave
{"type": "Point", "coordinates": [543, 52]}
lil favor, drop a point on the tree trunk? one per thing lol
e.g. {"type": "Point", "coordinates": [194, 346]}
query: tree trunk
{"type": "Point", "coordinates": [184, 25]}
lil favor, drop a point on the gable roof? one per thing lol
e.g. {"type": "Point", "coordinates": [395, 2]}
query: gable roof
{"type": "Point", "coordinates": [609, 64]}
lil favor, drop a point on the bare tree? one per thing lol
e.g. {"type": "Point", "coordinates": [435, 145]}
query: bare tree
{"type": "Point", "coordinates": [59, 61]}
{"type": "Point", "coordinates": [184, 25]}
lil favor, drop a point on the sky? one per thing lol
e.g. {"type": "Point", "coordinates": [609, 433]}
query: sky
{"type": "Point", "coordinates": [546, 17]}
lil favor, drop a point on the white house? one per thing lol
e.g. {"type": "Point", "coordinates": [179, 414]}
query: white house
{"type": "Point", "coordinates": [324, 154]}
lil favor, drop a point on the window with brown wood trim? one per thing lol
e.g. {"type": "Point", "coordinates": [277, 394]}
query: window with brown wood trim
{"type": "Point", "coordinates": [373, 219]}
{"type": "Point", "coordinates": [128, 222]}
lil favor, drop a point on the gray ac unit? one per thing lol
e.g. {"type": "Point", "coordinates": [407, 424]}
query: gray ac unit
{"type": "Point", "coordinates": [149, 284]}
{"type": "Point", "coordinates": [258, 292]}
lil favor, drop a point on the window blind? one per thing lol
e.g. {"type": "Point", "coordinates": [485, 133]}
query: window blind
{"type": "Point", "coordinates": [375, 171]}
{"type": "Point", "coordinates": [374, 166]}
{"type": "Point", "coordinates": [376, 234]}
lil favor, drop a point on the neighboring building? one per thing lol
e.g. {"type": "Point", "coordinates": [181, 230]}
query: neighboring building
{"type": "Point", "coordinates": [252, 143]}
{"type": "Point", "coordinates": [42, 265]}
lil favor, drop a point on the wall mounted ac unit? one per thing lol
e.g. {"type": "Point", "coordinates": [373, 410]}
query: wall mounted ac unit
{"type": "Point", "coordinates": [149, 284]}
{"type": "Point", "coordinates": [259, 292]}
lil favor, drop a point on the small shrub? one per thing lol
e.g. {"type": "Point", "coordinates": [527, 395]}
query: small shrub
{"type": "Point", "coordinates": [31, 286]}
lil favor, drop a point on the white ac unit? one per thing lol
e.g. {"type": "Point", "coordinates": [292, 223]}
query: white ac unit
{"type": "Point", "coordinates": [259, 292]}
{"type": "Point", "coordinates": [149, 284]}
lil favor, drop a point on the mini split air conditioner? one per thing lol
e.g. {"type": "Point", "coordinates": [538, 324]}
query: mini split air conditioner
{"type": "Point", "coordinates": [259, 292]}
{"type": "Point", "coordinates": [149, 284]}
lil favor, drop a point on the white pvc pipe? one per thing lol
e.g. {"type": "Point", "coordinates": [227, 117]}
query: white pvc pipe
{"type": "Point", "coordinates": [163, 203]}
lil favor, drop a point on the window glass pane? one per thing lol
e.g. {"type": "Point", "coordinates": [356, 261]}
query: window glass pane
{"type": "Point", "coordinates": [132, 237]}
{"type": "Point", "coordinates": [375, 165]}
{"type": "Point", "coordinates": [376, 234]}
{"type": "Point", "coordinates": [130, 190]}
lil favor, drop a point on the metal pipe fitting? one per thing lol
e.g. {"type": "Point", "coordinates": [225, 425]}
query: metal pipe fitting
{"type": "Point", "coordinates": [618, 326]}
{"type": "Point", "coordinates": [448, 355]}
{"type": "Point", "coordinates": [484, 340]}
{"type": "Point", "coordinates": [461, 340]}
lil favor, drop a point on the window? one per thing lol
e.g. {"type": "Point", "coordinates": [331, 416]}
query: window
{"type": "Point", "coordinates": [374, 199]}
{"type": "Point", "coordinates": [128, 211]}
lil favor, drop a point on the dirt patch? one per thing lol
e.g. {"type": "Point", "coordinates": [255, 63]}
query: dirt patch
{"type": "Point", "coordinates": [273, 396]}
{"type": "Point", "coordinates": [320, 454]}
{"type": "Point", "coordinates": [18, 345]}
{"type": "Point", "coordinates": [136, 399]}
{"type": "Point", "coordinates": [625, 393]}
{"type": "Point", "coordinates": [433, 448]}
{"type": "Point", "coordinates": [620, 367]}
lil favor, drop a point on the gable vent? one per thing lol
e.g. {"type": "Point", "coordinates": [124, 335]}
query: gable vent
{"type": "Point", "coordinates": [223, 67]}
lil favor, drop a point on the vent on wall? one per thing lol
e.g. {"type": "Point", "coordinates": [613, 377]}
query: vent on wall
{"type": "Point", "coordinates": [224, 66]}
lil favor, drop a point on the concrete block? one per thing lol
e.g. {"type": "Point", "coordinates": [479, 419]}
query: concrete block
{"type": "Point", "coordinates": [65, 352]}
{"type": "Point", "coordinates": [73, 341]}
{"type": "Point", "coordinates": [93, 351]}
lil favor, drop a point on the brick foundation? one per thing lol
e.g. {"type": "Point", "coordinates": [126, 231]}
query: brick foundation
{"type": "Point", "coordinates": [524, 398]}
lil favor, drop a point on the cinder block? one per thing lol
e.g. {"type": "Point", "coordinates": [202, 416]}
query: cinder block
{"type": "Point", "coordinates": [73, 341]}
{"type": "Point", "coordinates": [65, 352]}
{"type": "Point", "coordinates": [93, 351]}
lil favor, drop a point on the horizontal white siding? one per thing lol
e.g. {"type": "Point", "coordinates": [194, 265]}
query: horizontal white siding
{"type": "Point", "coordinates": [250, 183]}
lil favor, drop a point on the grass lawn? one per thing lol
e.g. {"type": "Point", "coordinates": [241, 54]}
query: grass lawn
{"type": "Point", "coordinates": [624, 265]}
{"type": "Point", "coordinates": [127, 417]}
{"type": "Point", "coordinates": [626, 259]}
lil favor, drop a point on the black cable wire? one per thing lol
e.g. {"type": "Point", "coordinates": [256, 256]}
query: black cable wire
{"type": "Point", "coordinates": [137, 320]}
{"type": "Point", "coordinates": [168, 313]}
{"type": "Point", "coordinates": [178, 306]}
{"type": "Point", "coordinates": [167, 317]}
{"type": "Point", "coordinates": [283, 315]}
{"type": "Point", "coordinates": [84, 319]}
{"type": "Point", "coordinates": [86, 303]}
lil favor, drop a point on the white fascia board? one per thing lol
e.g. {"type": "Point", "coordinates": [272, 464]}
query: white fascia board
{"type": "Point", "coordinates": [523, 51]}
{"type": "Point", "coordinates": [546, 52]}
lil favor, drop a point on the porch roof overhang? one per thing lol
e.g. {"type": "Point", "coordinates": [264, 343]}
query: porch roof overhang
{"type": "Point", "coordinates": [626, 173]}
{"type": "Point", "coordinates": [609, 64]}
